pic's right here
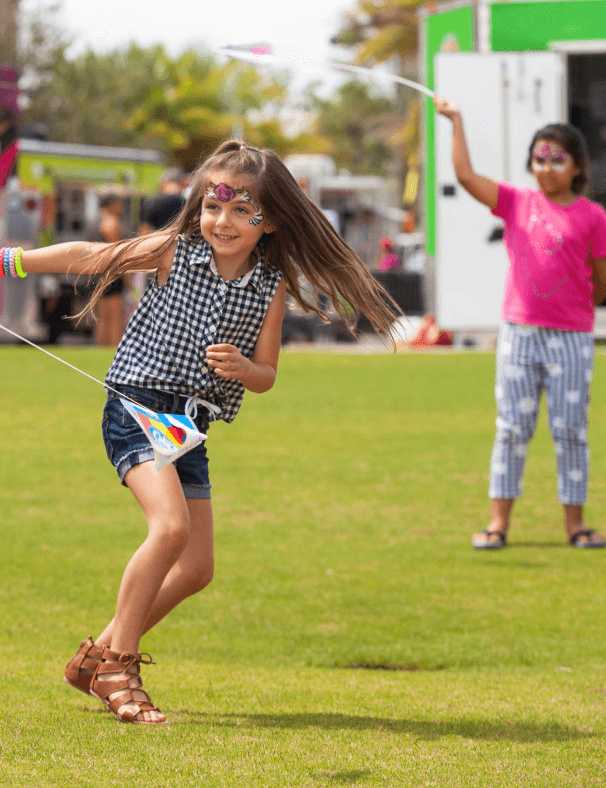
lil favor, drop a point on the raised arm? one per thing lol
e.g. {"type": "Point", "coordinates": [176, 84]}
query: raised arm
{"type": "Point", "coordinates": [485, 190]}
{"type": "Point", "coordinates": [599, 279]}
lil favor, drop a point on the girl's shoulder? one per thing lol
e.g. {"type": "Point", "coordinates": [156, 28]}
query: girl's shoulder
{"type": "Point", "coordinates": [508, 197]}
{"type": "Point", "coordinates": [589, 211]}
{"type": "Point", "coordinates": [192, 248]}
{"type": "Point", "coordinates": [192, 242]}
{"type": "Point", "coordinates": [591, 206]}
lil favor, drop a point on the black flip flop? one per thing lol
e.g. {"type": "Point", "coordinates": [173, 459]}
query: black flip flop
{"type": "Point", "coordinates": [588, 532]}
{"type": "Point", "coordinates": [488, 544]}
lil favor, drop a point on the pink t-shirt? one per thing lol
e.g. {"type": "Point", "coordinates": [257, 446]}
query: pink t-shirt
{"type": "Point", "coordinates": [549, 279]}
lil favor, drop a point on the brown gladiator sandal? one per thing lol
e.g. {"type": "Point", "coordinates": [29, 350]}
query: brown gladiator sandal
{"type": "Point", "coordinates": [123, 695]}
{"type": "Point", "coordinates": [81, 668]}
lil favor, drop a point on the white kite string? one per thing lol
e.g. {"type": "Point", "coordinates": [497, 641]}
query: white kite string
{"type": "Point", "coordinates": [190, 405]}
{"type": "Point", "coordinates": [373, 72]}
{"type": "Point", "coordinates": [67, 364]}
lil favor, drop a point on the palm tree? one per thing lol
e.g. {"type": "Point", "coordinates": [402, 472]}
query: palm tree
{"type": "Point", "coordinates": [387, 30]}
{"type": "Point", "coordinates": [195, 103]}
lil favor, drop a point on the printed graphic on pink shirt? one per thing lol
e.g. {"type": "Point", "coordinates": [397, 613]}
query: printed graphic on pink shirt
{"type": "Point", "coordinates": [549, 246]}
{"type": "Point", "coordinates": [546, 269]}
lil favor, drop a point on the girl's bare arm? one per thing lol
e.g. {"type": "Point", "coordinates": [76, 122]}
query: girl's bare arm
{"type": "Point", "coordinates": [259, 373]}
{"type": "Point", "coordinates": [599, 279]}
{"type": "Point", "coordinates": [485, 190]}
{"type": "Point", "coordinates": [80, 257]}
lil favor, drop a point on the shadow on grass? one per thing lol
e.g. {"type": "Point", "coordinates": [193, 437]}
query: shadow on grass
{"type": "Point", "coordinates": [513, 546]}
{"type": "Point", "coordinates": [539, 544]}
{"type": "Point", "coordinates": [342, 777]}
{"type": "Point", "coordinates": [406, 667]}
{"type": "Point", "coordinates": [508, 730]}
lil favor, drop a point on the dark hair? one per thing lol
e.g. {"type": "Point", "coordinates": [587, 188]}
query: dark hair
{"type": "Point", "coordinates": [573, 142]}
{"type": "Point", "coordinates": [109, 199]}
{"type": "Point", "coordinates": [304, 241]}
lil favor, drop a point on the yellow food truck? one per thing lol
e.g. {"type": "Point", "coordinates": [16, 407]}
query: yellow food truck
{"type": "Point", "coordinates": [52, 195]}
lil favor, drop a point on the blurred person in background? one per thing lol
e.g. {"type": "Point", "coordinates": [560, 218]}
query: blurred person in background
{"type": "Point", "coordinates": [110, 322]}
{"type": "Point", "coordinates": [388, 259]}
{"type": "Point", "coordinates": [363, 234]}
{"type": "Point", "coordinates": [428, 334]}
{"type": "Point", "coordinates": [160, 210]}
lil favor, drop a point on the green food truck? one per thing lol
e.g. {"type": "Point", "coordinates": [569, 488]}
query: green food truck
{"type": "Point", "coordinates": [512, 67]}
{"type": "Point", "coordinates": [53, 196]}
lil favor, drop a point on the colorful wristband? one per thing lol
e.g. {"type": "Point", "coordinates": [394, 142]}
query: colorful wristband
{"type": "Point", "coordinates": [18, 268]}
{"type": "Point", "coordinates": [6, 264]}
{"type": "Point", "coordinates": [2, 251]}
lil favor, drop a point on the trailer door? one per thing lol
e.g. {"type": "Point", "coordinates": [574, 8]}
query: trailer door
{"type": "Point", "coordinates": [504, 98]}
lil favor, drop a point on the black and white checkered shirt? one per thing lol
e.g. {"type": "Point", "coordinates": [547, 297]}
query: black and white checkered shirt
{"type": "Point", "coordinates": [164, 345]}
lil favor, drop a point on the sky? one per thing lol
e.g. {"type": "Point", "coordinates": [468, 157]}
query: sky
{"type": "Point", "coordinates": [299, 32]}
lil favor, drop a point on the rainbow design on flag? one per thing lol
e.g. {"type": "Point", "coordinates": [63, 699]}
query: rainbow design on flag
{"type": "Point", "coordinates": [170, 434]}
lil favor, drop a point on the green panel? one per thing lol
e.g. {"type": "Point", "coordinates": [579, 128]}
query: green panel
{"type": "Point", "coordinates": [42, 171]}
{"type": "Point", "coordinates": [531, 26]}
{"type": "Point", "coordinates": [447, 31]}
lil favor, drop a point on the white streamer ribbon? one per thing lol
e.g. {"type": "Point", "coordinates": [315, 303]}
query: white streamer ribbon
{"type": "Point", "coordinates": [260, 59]}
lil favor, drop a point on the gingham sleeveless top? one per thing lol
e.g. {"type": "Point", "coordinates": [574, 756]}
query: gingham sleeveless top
{"type": "Point", "coordinates": [165, 341]}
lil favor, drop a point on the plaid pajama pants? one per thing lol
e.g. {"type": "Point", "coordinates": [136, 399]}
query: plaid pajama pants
{"type": "Point", "coordinates": [531, 359]}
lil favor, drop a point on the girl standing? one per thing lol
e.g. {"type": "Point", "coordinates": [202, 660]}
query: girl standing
{"type": "Point", "coordinates": [556, 245]}
{"type": "Point", "coordinates": [209, 326]}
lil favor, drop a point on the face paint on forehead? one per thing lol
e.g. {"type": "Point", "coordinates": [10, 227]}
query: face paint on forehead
{"type": "Point", "coordinates": [543, 154]}
{"type": "Point", "coordinates": [547, 152]}
{"type": "Point", "coordinates": [225, 193]}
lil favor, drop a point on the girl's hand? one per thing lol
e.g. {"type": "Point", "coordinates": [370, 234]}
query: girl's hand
{"type": "Point", "coordinates": [227, 361]}
{"type": "Point", "coordinates": [447, 108]}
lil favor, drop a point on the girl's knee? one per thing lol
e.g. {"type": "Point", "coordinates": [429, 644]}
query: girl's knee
{"type": "Point", "coordinates": [569, 435]}
{"type": "Point", "coordinates": [171, 531]}
{"type": "Point", "coordinates": [199, 577]}
{"type": "Point", "coordinates": [514, 433]}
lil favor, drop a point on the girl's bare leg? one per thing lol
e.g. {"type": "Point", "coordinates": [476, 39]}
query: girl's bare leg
{"type": "Point", "coordinates": [499, 522]}
{"type": "Point", "coordinates": [573, 519]}
{"type": "Point", "coordinates": [192, 572]}
{"type": "Point", "coordinates": [151, 587]}
{"type": "Point", "coordinates": [501, 512]}
{"type": "Point", "coordinates": [161, 497]}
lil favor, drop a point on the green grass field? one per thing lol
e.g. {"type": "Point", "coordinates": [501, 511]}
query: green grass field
{"type": "Point", "coordinates": [351, 636]}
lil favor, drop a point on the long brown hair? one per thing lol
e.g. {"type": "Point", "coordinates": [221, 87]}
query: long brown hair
{"type": "Point", "coordinates": [304, 240]}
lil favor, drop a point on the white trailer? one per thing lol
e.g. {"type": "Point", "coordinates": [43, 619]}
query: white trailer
{"type": "Point", "coordinates": [512, 67]}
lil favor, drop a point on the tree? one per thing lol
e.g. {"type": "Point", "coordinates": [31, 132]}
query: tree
{"type": "Point", "coordinates": [89, 99]}
{"type": "Point", "coordinates": [381, 30]}
{"type": "Point", "coordinates": [142, 97]}
{"type": "Point", "coordinates": [387, 30]}
{"type": "Point", "coordinates": [356, 124]}
{"type": "Point", "coordinates": [8, 31]}
{"type": "Point", "coordinates": [195, 104]}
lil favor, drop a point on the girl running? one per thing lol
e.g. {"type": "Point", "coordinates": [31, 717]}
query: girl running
{"type": "Point", "coordinates": [208, 326]}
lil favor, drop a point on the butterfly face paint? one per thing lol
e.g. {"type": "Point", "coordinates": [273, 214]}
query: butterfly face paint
{"type": "Point", "coordinates": [544, 154]}
{"type": "Point", "coordinates": [225, 193]}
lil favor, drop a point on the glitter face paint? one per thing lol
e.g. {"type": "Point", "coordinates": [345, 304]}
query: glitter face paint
{"type": "Point", "coordinates": [544, 154]}
{"type": "Point", "coordinates": [224, 193]}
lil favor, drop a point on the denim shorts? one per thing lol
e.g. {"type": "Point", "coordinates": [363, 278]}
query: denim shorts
{"type": "Point", "coordinates": [127, 445]}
